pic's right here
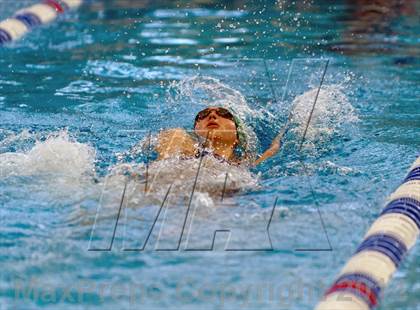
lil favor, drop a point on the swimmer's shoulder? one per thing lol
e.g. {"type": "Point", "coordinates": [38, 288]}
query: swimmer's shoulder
{"type": "Point", "coordinates": [175, 141]}
{"type": "Point", "coordinates": [173, 131]}
{"type": "Point", "coordinates": [177, 134]}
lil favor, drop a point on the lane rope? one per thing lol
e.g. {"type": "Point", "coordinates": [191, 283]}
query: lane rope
{"type": "Point", "coordinates": [24, 20]}
{"type": "Point", "coordinates": [388, 240]}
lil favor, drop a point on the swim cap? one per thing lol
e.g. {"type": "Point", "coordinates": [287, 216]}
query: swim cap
{"type": "Point", "coordinates": [240, 130]}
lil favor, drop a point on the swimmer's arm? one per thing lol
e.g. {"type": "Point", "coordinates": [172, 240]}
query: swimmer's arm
{"type": "Point", "coordinates": [174, 141]}
{"type": "Point", "coordinates": [273, 149]}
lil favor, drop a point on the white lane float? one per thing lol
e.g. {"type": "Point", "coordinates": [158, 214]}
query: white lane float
{"type": "Point", "coordinates": [25, 19]}
{"type": "Point", "coordinates": [388, 240]}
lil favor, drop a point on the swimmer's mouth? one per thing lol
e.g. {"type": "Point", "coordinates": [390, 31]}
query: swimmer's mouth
{"type": "Point", "coordinates": [212, 125]}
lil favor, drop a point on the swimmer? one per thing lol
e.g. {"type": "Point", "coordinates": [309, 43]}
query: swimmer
{"type": "Point", "coordinates": [217, 132]}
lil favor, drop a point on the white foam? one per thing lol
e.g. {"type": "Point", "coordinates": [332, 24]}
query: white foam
{"type": "Point", "coordinates": [332, 110]}
{"type": "Point", "coordinates": [181, 175]}
{"type": "Point", "coordinates": [58, 154]}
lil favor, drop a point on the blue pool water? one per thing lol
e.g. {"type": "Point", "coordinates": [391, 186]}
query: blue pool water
{"type": "Point", "coordinates": [78, 95]}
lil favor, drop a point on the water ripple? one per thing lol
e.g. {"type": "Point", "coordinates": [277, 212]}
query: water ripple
{"type": "Point", "coordinates": [197, 12]}
{"type": "Point", "coordinates": [174, 41]}
{"type": "Point", "coordinates": [124, 70]}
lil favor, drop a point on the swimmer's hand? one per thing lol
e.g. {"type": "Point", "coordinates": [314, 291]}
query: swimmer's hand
{"type": "Point", "coordinates": [274, 147]}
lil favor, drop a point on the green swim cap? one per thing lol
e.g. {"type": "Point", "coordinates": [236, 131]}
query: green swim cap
{"type": "Point", "coordinates": [240, 130]}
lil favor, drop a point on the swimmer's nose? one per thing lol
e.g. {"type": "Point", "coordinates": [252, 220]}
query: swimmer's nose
{"type": "Point", "coordinates": [213, 114]}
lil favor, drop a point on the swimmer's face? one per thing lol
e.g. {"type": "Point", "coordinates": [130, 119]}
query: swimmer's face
{"type": "Point", "coordinates": [216, 124]}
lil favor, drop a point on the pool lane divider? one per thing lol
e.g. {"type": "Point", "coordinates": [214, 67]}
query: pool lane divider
{"type": "Point", "coordinates": [25, 19]}
{"type": "Point", "coordinates": [367, 273]}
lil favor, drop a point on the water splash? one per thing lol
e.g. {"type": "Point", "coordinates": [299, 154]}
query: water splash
{"type": "Point", "coordinates": [58, 155]}
{"type": "Point", "coordinates": [11, 138]}
{"type": "Point", "coordinates": [214, 179]}
{"type": "Point", "coordinates": [332, 111]}
{"type": "Point", "coordinates": [208, 91]}
{"type": "Point", "coordinates": [67, 164]}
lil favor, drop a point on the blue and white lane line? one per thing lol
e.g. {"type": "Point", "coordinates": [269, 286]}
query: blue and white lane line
{"type": "Point", "coordinates": [25, 19]}
{"type": "Point", "coordinates": [388, 240]}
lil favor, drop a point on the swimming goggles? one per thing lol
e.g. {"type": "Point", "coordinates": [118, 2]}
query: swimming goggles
{"type": "Point", "coordinates": [222, 112]}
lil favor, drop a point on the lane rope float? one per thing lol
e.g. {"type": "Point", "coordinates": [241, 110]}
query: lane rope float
{"type": "Point", "coordinates": [25, 19]}
{"type": "Point", "coordinates": [385, 244]}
